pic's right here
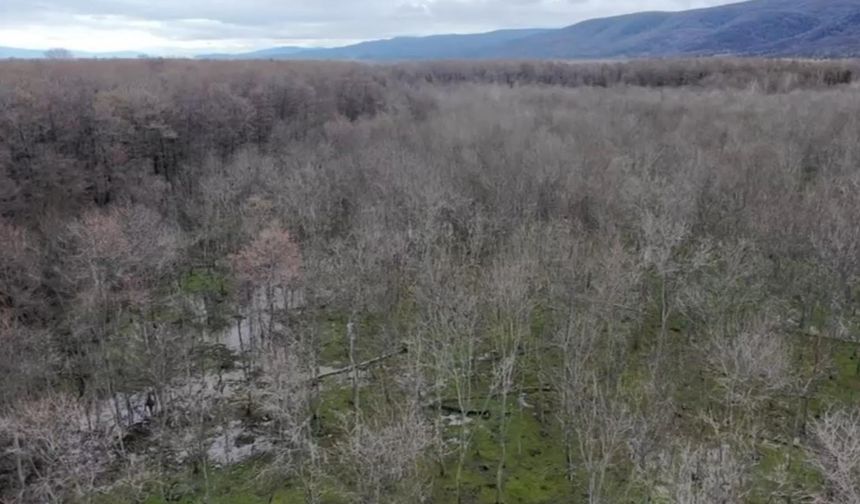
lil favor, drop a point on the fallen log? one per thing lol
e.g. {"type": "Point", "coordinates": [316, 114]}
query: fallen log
{"type": "Point", "coordinates": [449, 405]}
{"type": "Point", "coordinates": [361, 365]}
{"type": "Point", "coordinates": [447, 408]}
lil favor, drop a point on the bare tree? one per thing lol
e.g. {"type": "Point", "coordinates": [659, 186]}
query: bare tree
{"type": "Point", "coordinates": [383, 457]}
{"type": "Point", "coordinates": [704, 474]}
{"type": "Point", "coordinates": [602, 425]}
{"type": "Point", "coordinates": [27, 362]}
{"type": "Point", "coordinates": [592, 343]}
{"type": "Point", "coordinates": [57, 457]}
{"type": "Point", "coordinates": [115, 259]}
{"type": "Point", "coordinates": [836, 242]}
{"type": "Point", "coordinates": [663, 235]}
{"type": "Point", "coordinates": [510, 285]}
{"type": "Point", "coordinates": [449, 341]}
{"type": "Point", "coordinates": [750, 367]}
{"type": "Point", "coordinates": [270, 265]}
{"type": "Point", "coordinates": [288, 372]}
{"type": "Point", "coordinates": [836, 453]}
{"type": "Point", "coordinates": [19, 270]}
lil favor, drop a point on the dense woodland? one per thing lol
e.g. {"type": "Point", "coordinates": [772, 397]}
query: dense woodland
{"type": "Point", "coordinates": [509, 282]}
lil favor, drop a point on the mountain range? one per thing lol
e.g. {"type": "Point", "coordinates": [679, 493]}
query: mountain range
{"type": "Point", "coordinates": [776, 28]}
{"type": "Point", "coordinates": [400, 48]}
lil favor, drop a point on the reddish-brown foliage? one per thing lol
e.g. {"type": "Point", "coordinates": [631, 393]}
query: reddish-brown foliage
{"type": "Point", "coordinates": [272, 258]}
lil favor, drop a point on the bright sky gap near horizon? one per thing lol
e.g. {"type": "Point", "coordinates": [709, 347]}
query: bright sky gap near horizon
{"type": "Point", "coordinates": [168, 27]}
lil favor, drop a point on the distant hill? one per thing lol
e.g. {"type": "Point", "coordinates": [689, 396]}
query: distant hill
{"type": "Point", "coordinates": [756, 28]}
{"type": "Point", "coordinates": [818, 28]}
{"type": "Point", "coordinates": [12, 52]}
{"type": "Point", "coordinates": [273, 53]}
{"type": "Point", "coordinates": [801, 28]}
{"type": "Point", "coordinates": [400, 48]}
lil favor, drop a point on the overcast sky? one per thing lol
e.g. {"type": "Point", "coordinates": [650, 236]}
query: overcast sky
{"type": "Point", "coordinates": [177, 26]}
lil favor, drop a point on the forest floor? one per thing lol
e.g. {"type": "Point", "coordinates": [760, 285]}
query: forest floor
{"type": "Point", "coordinates": [535, 462]}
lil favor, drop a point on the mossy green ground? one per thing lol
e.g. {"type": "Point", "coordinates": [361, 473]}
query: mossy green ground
{"type": "Point", "coordinates": [534, 465]}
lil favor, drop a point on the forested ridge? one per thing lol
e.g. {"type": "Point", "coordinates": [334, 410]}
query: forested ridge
{"type": "Point", "coordinates": [429, 282]}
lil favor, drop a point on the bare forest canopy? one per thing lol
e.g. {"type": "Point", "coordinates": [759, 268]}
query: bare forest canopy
{"type": "Point", "coordinates": [430, 282]}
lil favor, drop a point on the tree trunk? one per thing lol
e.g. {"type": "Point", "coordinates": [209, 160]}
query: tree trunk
{"type": "Point", "coordinates": [351, 336]}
